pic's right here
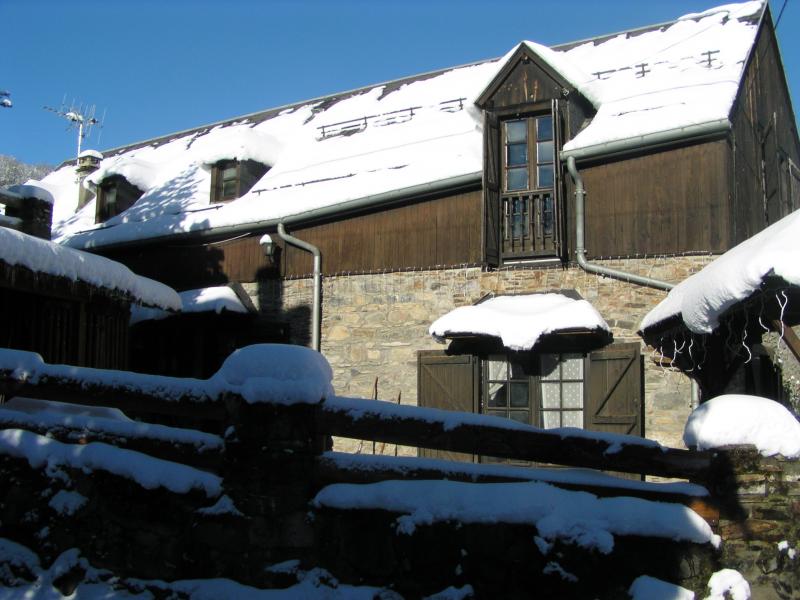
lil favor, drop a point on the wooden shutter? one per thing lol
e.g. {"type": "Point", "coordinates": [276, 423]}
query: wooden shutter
{"type": "Point", "coordinates": [491, 189]}
{"type": "Point", "coordinates": [449, 383]}
{"type": "Point", "coordinates": [614, 402]}
{"type": "Point", "coordinates": [558, 180]}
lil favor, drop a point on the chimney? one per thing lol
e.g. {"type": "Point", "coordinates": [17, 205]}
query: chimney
{"type": "Point", "coordinates": [88, 163]}
{"type": "Point", "coordinates": [29, 209]}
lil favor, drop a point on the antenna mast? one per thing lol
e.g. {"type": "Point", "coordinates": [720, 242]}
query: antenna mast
{"type": "Point", "coordinates": [80, 117]}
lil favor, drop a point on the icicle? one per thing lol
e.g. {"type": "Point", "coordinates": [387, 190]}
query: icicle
{"type": "Point", "coordinates": [744, 337]}
{"type": "Point", "coordinates": [691, 358]}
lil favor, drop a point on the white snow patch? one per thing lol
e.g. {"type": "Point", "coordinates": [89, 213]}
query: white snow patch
{"type": "Point", "coordinates": [573, 517]}
{"type": "Point", "coordinates": [32, 406]}
{"type": "Point", "coordinates": [650, 588]}
{"type": "Point", "coordinates": [210, 299]}
{"type": "Point", "coordinates": [223, 506]}
{"type": "Point", "coordinates": [735, 419]}
{"type": "Point", "coordinates": [554, 568]}
{"type": "Point", "coordinates": [41, 256]}
{"type": "Point", "coordinates": [705, 296]}
{"type": "Point", "coordinates": [519, 321]}
{"type": "Point", "coordinates": [67, 503]}
{"type": "Point", "coordinates": [32, 191]}
{"type": "Point", "coordinates": [453, 593]}
{"type": "Point", "coordinates": [277, 373]}
{"type": "Point", "coordinates": [149, 472]}
{"type": "Point", "coordinates": [728, 583]}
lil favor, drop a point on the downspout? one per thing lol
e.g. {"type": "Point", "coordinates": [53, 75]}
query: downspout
{"type": "Point", "coordinates": [317, 298]}
{"type": "Point", "coordinates": [580, 248]}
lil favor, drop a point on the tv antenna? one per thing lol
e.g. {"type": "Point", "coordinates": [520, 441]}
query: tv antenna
{"type": "Point", "coordinates": [80, 117]}
{"type": "Point", "coordinates": [5, 99]}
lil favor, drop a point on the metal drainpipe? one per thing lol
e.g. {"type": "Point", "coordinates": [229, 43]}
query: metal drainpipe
{"type": "Point", "coordinates": [315, 316]}
{"type": "Point", "coordinates": [580, 249]}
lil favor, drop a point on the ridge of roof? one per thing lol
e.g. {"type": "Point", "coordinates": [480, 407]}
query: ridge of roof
{"type": "Point", "coordinates": [263, 115]}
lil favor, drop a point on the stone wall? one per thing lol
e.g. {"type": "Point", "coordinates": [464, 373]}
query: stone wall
{"type": "Point", "coordinates": [373, 325]}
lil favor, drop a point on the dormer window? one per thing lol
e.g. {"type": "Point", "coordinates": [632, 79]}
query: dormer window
{"type": "Point", "coordinates": [529, 218]}
{"type": "Point", "coordinates": [231, 179]}
{"type": "Point", "coordinates": [115, 194]}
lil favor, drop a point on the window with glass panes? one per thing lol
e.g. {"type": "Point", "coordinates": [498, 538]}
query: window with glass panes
{"type": "Point", "coordinates": [528, 200]}
{"type": "Point", "coordinates": [232, 179]}
{"type": "Point", "coordinates": [545, 390]}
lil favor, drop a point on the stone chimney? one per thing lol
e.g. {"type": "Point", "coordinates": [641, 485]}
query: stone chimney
{"type": "Point", "coordinates": [88, 163]}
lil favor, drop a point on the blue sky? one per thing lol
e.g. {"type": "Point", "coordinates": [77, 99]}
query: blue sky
{"type": "Point", "coordinates": [157, 67]}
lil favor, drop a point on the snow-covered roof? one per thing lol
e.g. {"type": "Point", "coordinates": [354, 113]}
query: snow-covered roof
{"type": "Point", "coordinates": [704, 297]}
{"type": "Point", "coordinates": [424, 130]}
{"type": "Point", "coordinates": [520, 321]}
{"type": "Point", "coordinates": [211, 299]}
{"type": "Point", "coordinates": [41, 256]}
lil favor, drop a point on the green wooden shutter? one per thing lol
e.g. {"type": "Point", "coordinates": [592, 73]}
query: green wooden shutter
{"type": "Point", "coordinates": [449, 383]}
{"type": "Point", "coordinates": [491, 189]}
{"type": "Point", "coordinates": [615, 398]}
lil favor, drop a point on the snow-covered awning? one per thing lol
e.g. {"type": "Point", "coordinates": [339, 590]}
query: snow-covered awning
{"type": "Point", "coordinates": [203, 300]}
{"type": "Point", "coordinates": [41, 256]}
{"type": "Point", "coordinates": [702, 299]}
{"type": "Point", "coordinates": [520, 322]}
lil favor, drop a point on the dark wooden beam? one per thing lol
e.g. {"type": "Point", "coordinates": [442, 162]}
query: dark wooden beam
{"type": "Point", "coordinates": [789, 337]}
{"type": "Point", "coordinates": [408, 429]}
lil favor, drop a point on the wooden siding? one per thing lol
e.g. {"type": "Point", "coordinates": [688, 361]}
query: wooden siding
{"type": "Point", "coordinates": [427, 234]}
{"type": "Point", "coordinates": [672, 201]}
{"type": "Point", "coordinates": [765, 142]}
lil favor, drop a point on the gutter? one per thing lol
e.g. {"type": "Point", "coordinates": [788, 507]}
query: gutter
{"type": "Point", "coordinates": [317, 297]}
{"type": "Point", "coordinates": [580, 249]}
{"type": "Point", "coordinates": [648, 141]}
{"type": "Point", "coordinates": [413, 192]}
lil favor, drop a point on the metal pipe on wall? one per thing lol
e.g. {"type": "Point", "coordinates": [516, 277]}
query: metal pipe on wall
{"type": "Point", "coordinates": [316, 315]}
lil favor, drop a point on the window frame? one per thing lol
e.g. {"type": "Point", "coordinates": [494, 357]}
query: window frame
{"type": "Point", "coordinates": [247, 173]}
{"type": "Point", "coordinates": [531, 366]}
{"type": "Point", "coordinates": [125, 195]}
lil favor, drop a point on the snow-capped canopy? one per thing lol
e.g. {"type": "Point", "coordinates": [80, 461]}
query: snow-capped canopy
{"type": "Point", "coordinates": [401, 136]}
{"type": "Point", "coordinates": [735, 419]}
{"type": "Point", "coordinates": [42, 256]}
{"type": "Point", "coordinates": [519, 321]}
{"type": "Point", "coordinates": [704, 297]}
{"type": "Point", "coordinates": [211, 299]}
{"type": "Point", "coordinates": [31, 191]}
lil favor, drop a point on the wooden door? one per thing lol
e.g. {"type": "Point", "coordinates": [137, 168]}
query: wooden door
{"type": "Point", "coordinates": [448, 383]}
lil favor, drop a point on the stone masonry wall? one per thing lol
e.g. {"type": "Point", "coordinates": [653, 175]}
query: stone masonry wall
{"type": "Point", "coordinates": [373, 325]}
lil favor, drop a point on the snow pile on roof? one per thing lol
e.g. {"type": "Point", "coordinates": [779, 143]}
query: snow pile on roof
{"type": "Point", "coordinates": [574, 517]}
{"type": "Point", "coordinates": [679, 86]}
{"type": "Point", "coordinates": [211, 299]}
{"type": "Point", "coordinates": [31, 191]}
{"type": "Point", "coordinates": [519, 321]}
{"type": "Point", "coordinates": [148, 472]}
{"type": "Point", "coordinates": [277, 373]}
{"type": "Point", "coordinates": [41, 256]}
{"type": "Point", "coordinates": [738, 419]}
{"type": "Point", "coordinates": [704, 297]}
{"type": "Point", "coordinates": [398, 135]}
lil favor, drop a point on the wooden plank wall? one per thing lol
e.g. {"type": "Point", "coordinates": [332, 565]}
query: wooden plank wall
{"type": "Point", "coordinates": [441, 232]}
{"type": "Point", "coordinates": [666, 202]}
{"type": "Point", "coordinates": [763, 129]}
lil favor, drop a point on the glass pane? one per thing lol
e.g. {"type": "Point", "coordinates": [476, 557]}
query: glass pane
{"type": "Point", "coordinates": [549, 365]}
{"type": "Point", "coordinates": [110, 197]}
{"type": "Point", "coordinates": [496, 413]}
{"type": "Point", "coordinates": [523, 416]}
{"type": "Point", "coordinates": [517, 371]}
{"type": "Point", "coordinates": [544, 152]}
{"type": "Point", "coordinates": [573, 418]}
{"type": "Point", "coordinates": [516, 131]}
{"type": "Point", "coordinates": [517, 155]}
{"type": "Point", "coordinates": [497, 395]}
{"type": "Point", "coordinates": [497, 369]}
{"type": "Point", "coordinates": [229, 172]}
{"type": "Point", "coordinates": [573, 394]}
{"type": "Point", "coordinates": [551, 418]}
{"type": "Point", "coordinates": [519, 395]}
{"type": "Point", "coordinates": [551, 395]}
{"type": "Point", "coordinates": [517, 179]}
{"type": "Point", "coordinates": [544, 128]}
{"type": "Point", "coordinates": [545, 174]}
{"type": "Point", "coordinates": [572, 367]}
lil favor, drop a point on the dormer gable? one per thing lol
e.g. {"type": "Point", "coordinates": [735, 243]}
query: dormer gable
{"type": "Point", "coordinates": [115, 194]}
{"type": "Point", "coordinates": [526, 77]}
